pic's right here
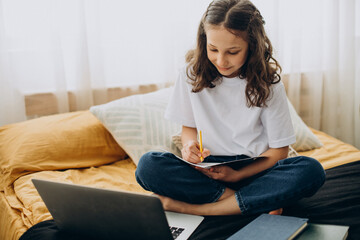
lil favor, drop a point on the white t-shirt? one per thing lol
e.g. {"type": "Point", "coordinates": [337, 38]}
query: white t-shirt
{"type": "Point", "coordinates": [228, 126]}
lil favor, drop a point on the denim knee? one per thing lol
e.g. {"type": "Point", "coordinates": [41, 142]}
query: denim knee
{"type": "Point", "coordinates": [145, 169]}
{"type": "Point", "coordinates": [289, 180]}
{"type": "Point", "coordinates": [162, 173]}
{"type": "Point", "coordinates": [316, 172]}
{"type": "Point", "coordinates": [310, 172]}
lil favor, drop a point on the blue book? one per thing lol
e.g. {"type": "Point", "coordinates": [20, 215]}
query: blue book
{"type": "Point", "coordinates": [271, 227]}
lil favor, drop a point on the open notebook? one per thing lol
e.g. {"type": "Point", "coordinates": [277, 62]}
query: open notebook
{"type": "Point", "coordinates": [243, 159]}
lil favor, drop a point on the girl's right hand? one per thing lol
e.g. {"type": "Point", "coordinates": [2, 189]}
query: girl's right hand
{"type": "Point", "coordinates": [191, 152]}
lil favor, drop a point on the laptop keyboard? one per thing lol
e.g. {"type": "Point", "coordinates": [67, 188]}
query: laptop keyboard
{"type": "Point", "coordinates": [176, 231]}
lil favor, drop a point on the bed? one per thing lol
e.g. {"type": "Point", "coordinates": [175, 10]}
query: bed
{"type": "Point", "coordinates": [101, 147]}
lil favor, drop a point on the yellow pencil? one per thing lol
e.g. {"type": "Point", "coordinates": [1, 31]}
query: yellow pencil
{"type": "Point", "coordinates": [201, 146]}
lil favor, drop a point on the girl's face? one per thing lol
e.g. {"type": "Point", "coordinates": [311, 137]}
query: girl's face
{"type": "Point", "coordinates": [227, 51]}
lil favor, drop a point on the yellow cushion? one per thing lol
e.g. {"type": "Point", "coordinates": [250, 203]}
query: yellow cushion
{"type": "Point", "coordinates": [63, 141]}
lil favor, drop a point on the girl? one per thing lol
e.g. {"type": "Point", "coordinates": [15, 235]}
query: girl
{"type": "Point", "coordinates": [231, 90]}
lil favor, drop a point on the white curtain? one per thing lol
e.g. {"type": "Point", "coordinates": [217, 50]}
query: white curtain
{"type": "Point", "coordinates": [12, 107]}
{"type": "Point", "coordinates": [318, 45]}
{"type": "Point", "coordinates": [80, 45]}
{"type": "Point", "coordinates": [59, 46]}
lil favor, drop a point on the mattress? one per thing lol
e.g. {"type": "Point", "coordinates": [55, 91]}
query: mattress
{"type": "Point", "coordinates": [22, 208]}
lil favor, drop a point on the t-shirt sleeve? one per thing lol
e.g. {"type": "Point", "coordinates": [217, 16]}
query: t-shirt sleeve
{"type": "Point", "coordinates": [179, 108]}
{"type": "Point", "coordinates": [276, 119]}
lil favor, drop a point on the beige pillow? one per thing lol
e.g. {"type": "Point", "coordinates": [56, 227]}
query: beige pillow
{"type": "Point", "coordinates": [63, 141]}
{"type": "Point", "coordinates": [137, 123]}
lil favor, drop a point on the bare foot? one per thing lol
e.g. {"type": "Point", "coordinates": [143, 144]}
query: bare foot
{"type": "Point", "coordinates": [170, 204]}
{"type": "Point", "coordinates": [276, 212]}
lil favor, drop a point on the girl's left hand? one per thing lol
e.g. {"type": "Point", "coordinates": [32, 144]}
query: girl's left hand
{"type": "Point", "coordinates": [220, 173]}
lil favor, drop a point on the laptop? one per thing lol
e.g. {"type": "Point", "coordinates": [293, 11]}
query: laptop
{"type": "Point", "coordinates": [108, 214]}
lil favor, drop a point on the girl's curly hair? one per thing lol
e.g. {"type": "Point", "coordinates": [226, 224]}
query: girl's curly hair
{"type": "Point", "coordinates": [260, 68]}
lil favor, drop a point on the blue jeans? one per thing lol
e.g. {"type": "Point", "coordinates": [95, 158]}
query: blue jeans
{"type": "Point", "coordinates": [287, 181]}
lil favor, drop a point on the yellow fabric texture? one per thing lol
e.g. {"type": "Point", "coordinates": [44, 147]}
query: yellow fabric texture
{"type": "Point", "coordinates": [12, 225]}
{"type": "Point", "coordinates": [63, 141]}
{"type": "Point", "coordinates": [30, 209]}
{"type": "Point", "coordinates": [334, 152]}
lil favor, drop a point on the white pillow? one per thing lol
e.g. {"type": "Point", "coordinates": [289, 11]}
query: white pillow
{"type": "Point", "coordinates": [137, 123]}
{"type": "Point", "coordinates": [305, 138]}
